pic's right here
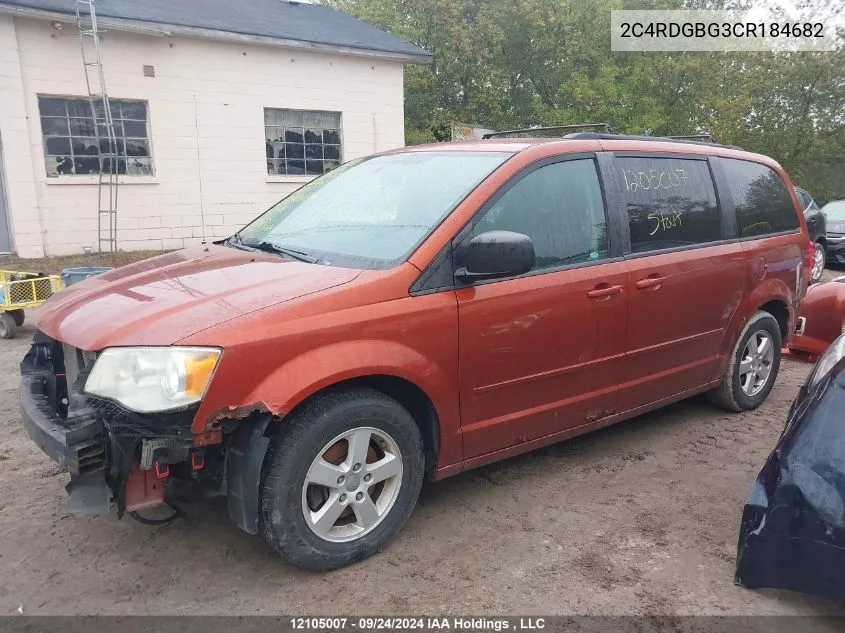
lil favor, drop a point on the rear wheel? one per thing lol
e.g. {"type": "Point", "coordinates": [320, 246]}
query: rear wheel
{"type": "Point", "coordinates": [18, 316]}
{"type": "Point", "coordinates": [754, 365]}
{"type": "Point", "coordinates": [8, 328]}
{"type": "Point", "coordinates": [819, 263]}
{"type": "Point", "coordinates": [340, 479]}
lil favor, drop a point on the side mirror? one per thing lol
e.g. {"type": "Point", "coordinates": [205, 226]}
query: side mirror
{"type": "Point", "coordinates": [495, 254]}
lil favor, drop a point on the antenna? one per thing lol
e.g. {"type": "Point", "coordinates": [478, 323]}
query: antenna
{"type": "Point", "coordinates": [199, 170]}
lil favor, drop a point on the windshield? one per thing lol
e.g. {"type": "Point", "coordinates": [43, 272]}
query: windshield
{"type": "Point", "coordinates": [835, 210]}
{"type": "Point", "coordinates": [370, 213]}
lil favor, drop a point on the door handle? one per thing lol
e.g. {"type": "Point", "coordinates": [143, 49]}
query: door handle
{"type": "Point", "coordinates": [652, 281]}
{"type": "Point", "coordinates": [604, 291]}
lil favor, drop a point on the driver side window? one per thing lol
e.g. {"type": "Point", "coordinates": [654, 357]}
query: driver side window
{"type": "Point", "coordinates": [560, 207]}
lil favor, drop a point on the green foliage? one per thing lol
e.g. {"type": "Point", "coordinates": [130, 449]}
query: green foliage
{"type": "Point", "coordinates": [506, 64]}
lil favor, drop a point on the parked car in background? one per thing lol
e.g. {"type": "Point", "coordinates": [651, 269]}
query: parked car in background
{"type": "Point", "coordinates": [792, 534]}
{"type": "Point", "coordinates": [835, 239]}
{"type": "Point", "coordinates": [414, 315]}
{"type": "Point", "coordinates": [817, 228]}
{"type": "Point", "coordinates": [823, 314]}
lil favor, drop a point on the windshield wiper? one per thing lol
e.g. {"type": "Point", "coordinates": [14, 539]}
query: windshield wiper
{"type": "Point", "coordinates": [269, 247]}
{"type": "Point", "coordinates": [235, 241]}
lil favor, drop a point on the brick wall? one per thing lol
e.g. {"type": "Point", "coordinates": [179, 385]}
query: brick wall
{"type": "Point", "coordinates": [230, 84]}
{"type": "Point", "coordinates": [19, 184]}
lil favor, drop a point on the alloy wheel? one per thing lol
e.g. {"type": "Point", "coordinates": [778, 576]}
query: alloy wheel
{"type": "Point", "coordinates": [756, 364]}
{"type": "Point", "coordinates": [352, 484]}
{"type": "Point", "coordinates": [818, 263]}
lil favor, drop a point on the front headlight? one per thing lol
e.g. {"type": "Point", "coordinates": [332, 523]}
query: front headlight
{"type": "Point", "coordinates": [153, 379]}
{"type": "Point", "coordinates": [831, 356]}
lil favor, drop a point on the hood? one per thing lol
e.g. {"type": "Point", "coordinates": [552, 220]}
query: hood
{"type": "Point", "coordinates": [162, 300]}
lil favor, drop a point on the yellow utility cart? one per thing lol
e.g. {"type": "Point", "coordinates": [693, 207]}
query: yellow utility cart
{"type": "Point", "coordinates": [20, 290]}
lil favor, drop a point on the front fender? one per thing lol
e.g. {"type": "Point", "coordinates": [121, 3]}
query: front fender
{"type": "Point", "coordinates": [282, 389]}
{"type": "Point", "coordinates": [303, 376]}
{"type": "Point", "coordinates": [319, 368]}
{"type": "Point", "coordinates": [272, 360]}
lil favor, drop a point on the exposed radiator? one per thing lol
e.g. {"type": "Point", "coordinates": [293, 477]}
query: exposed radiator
{"type": "Point", "coordinates": [177, 451]}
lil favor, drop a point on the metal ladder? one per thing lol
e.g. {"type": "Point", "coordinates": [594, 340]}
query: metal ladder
{"type": "Point", "coordinates": [95, 80]}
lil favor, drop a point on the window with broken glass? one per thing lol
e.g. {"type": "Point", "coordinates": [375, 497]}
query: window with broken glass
{"type": "Point", "coordinates": [74, 146]}
{"type": "Point", "coordinates": [301, 142]}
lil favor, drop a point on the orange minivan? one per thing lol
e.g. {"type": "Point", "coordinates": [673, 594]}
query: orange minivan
{"type": "Point", "coordinates": [412, 315]}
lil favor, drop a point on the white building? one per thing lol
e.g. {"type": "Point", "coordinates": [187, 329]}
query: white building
{"type": "Point", "coordinates": [221, 108]}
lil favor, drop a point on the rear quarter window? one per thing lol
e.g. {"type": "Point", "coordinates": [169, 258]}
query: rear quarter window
{"type": "Point", "coordinates": [670, 202]}
{"type": "Point", "coordinates": [762, 201]}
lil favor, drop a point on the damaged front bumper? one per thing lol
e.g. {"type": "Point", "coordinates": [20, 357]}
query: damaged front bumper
{"type": "Point", "coordinates": [76, 444]}
{"type": "Point", "coordinates": [112, 454]}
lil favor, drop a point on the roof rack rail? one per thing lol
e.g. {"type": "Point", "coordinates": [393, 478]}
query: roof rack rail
{"type": "Point", "coordinates": [603, 131]}
{"type": "Point", "coordinates": [703, 139]}
{"type": "Point", "coordinates": [530, 132]}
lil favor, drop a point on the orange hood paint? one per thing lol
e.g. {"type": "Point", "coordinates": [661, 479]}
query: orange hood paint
{"type": "Point", "coordinates": [167, 298]}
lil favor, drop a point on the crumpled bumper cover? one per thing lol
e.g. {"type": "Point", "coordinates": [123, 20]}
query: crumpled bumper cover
{"type": "Point", "coordinates": [792, 534]}
{"type": "Point", "coordinates": [76, 445]}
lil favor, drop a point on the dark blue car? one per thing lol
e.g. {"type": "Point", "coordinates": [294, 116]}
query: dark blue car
{"type": "Point", "coordinates": [792, 534]}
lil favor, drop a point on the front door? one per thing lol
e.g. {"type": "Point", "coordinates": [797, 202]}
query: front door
{"type": "Point", "coordinates": [686, 281]}
{"type": "Point", "coordinates": [542, 352]}
{"type": "Point", "coordinates": [5, 236]}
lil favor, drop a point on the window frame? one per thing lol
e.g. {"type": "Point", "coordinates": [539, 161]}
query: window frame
{"type": "Point", "coordinates": [456, 243]}
{"type": "Point", "coordinates": [718, 168]}
{"type": "Point", "coordinates": [608, 162]}
{"type": "Point", "coordinates": [85, 177]}
{"type": "Point", "coordinates": [304, 112]}
{"type": "Point", "coordinates": [801, 194]}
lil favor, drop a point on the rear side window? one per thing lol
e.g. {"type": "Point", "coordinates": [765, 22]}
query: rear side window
{"type": "Point", "coordinates": [670, 202]}
{"type": "Point", "coordinates": [560, 207]}
{"type": "Point", "coordinates": [763, 204]}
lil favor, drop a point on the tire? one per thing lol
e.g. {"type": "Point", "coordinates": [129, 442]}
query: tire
{"type": "Point", "coordinates": [290, 507]}
{"type": "Point", "coordinates": [736, 393]}
{"type": "Point", "coordinates": [8, 329]}
{"type": "Point", "coordinates": [18, 316]}
{"type": "Point", "coordinates": [819, 263]}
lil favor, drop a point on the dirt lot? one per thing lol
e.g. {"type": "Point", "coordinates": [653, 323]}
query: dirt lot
{"type": "Point", "coordinates": [639, 518]}
{"type": "Point", "coordinates": [54, 265]}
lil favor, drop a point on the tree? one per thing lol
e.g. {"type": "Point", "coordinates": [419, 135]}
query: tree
{"type": "Point", "coordinates": [517, 63]}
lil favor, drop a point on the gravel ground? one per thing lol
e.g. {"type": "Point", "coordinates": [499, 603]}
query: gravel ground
{"type": "Point", "coordinates": [640, 518]}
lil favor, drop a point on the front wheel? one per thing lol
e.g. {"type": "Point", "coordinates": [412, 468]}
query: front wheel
{"type": "Point", "coordinates": [819, 263]}
{"type": "Point", "coordinates": [340, 479]}
{"type": "Point", "coordinates": [754, 365]}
